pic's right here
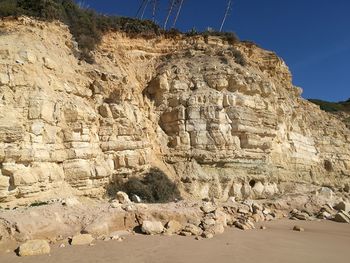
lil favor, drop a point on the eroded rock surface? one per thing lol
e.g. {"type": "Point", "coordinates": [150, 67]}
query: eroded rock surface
{"type": "Point", "coordinates": [185, 106]}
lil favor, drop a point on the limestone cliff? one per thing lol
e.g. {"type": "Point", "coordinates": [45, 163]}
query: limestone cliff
{"type": "Point", "coordinates": [183, 105]}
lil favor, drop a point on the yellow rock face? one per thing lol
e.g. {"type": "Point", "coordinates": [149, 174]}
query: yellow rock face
{"type": "Point", "coordinates": [214, 126]}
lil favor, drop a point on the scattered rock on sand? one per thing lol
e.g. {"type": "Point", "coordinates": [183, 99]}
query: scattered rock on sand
{"type": "Point", "coordinates": [263, 227]}
{"type": "Point", "coordinates": [298, 228]}
{"type": "Point", "coordinates": [207, 235]}
{"type": "Point", "coordinates": [82, 239]}
{"type": "Point", "coordinates": [34, 248]}
{"type": "Point", "coordinates": [152, 227]}
{"type": "Point", "coordinates": [122, 197]}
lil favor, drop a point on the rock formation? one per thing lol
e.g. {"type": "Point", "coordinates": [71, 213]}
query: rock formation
{"type": "Point", "coordinates": [214, 125]}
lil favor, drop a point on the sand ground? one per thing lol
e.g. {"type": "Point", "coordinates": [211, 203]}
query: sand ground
{"type": "Point", "coordinates": [321, 242]}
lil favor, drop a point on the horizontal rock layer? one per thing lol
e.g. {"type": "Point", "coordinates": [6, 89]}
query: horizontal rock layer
{"type": "Point", "coordinates": [182, 105]}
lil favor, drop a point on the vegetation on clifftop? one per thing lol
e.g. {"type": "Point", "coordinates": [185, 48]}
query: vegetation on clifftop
{"type": "Point", "coordinates": [87, 26]}
{"type": "Point", "coordinates": [332, 106]}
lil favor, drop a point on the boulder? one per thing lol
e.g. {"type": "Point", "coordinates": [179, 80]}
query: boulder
{"type": "Point", "coordinates": [208, 207]}
{"type": "Point", "coordinates": [173, 227]}
{"type": "Point", "coordinates": [325, 192]}
{"type": "Point", "coordinates": [122, 197]}
{"type": "Point", "coordinates": [341, 218]}
{"type": "Point", "coordinates": [216, 229]}
{"type": "Point", "coordinates": [81, 239]}
{"type": "Point", "coordinates": [152, 227]}
{"type": "Point", "coordinates": [342, 206]}
{"type": "Point", "coordinates": [191, 229]}
{"type": "Point", "coordinates": [34, 248]}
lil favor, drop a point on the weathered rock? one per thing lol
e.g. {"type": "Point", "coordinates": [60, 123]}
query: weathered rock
{"type": "Point", "coordinates": [215, 229]}
{"type": "Point", "coordinates": [341, 218]}
{"type": "Point", "coordinates": [81, 239]}
{"type": "Point", "coordinates": [298, 228]}
{"type": "Point", "coordinates": [72, 201]}
{"type": "Point", "coordinates": [79, 130]}
{"type": "Point", "coordinates": [191, 229]}
{"type": "Point", "coordinates": [342, 206]}
{"type": "Point", "coordinates": [152, 227]}
{"type": "Point", "coordinates": [208, 207]}
{"type": "Point", "coordinates": [122, 197]}
{"type": "Point", "coordinates": [34, 248]}
{"type": "Point", "coordinates": [207, 234]}
{"type": "Point", "coordinates": [173, 227]}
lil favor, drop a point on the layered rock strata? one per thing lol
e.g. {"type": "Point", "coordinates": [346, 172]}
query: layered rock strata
{"type": "Point", "coordinates": [214, 125]}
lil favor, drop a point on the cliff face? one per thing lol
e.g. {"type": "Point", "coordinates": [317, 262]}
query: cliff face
{"type": "Point", "coordinates": [215, 127]}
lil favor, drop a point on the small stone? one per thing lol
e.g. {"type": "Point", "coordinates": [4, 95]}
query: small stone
{"type": "Point", "coordinates": [62, 246]}
{"type": "Point", "coordinates": [240, 225]}
{"type": "Point", "coordinates": [347, 188]}
{"type": "Point", "coordinates": [298, 228]}
{"type": "Point", "coordinates": [34, 248]}
{"type": "Point", "coordinates": [152, 227]}
{"type": "Point", "coordinates": [263, 227]}
{"type": "Point", "coordinates": [81, 239]}
{"type": "Point", "coordinates": [207, 235]}
{"type": "Point", "coordinates": [198, 238]}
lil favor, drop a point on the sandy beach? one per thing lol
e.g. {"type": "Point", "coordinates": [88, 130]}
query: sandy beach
{"type": "Point", "coordinates": [320, 242]}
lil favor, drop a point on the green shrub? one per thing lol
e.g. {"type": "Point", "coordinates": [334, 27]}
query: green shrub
{"type": "Point", "coordinates": [87, 26]}
{"type": "Point", "coordinates": [155, 187]}
{"type": "Point", "coordinates": [332, 106]}
{"type": "Point", "coordinates": [39, 203]}
{"type": "Point", "coordinates": [230, 37]}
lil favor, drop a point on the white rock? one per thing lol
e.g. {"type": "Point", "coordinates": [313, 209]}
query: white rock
{"type": "Point", "coordinates": [152, 227]}
{"type": "Point", "coordinates": [34, 248]}
{"type": "Point", "coordinates": [173, 227]}
{"type": "Point", "coordinates": [82, 239]}
{"type": "Point", "coordinates": [136, 199]}
{"type": "Point", "coordinates": [122, 197]}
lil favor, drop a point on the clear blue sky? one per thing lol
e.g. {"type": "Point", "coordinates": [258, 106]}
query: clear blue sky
{"type": "Point", "coordinates": [312, 36]}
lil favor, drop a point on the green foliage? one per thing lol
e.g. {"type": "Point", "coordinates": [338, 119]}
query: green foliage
{"type": "Point", "coordinates": [230, 37]}
{"type": "Point", "coordinates": [87, 26]}
{"type": "Point", "coordinates": [35, 204]}
{"type": "Point", "coordinates": [332, 106]}
{"type": "Point", "coordinates": [155, 187]}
